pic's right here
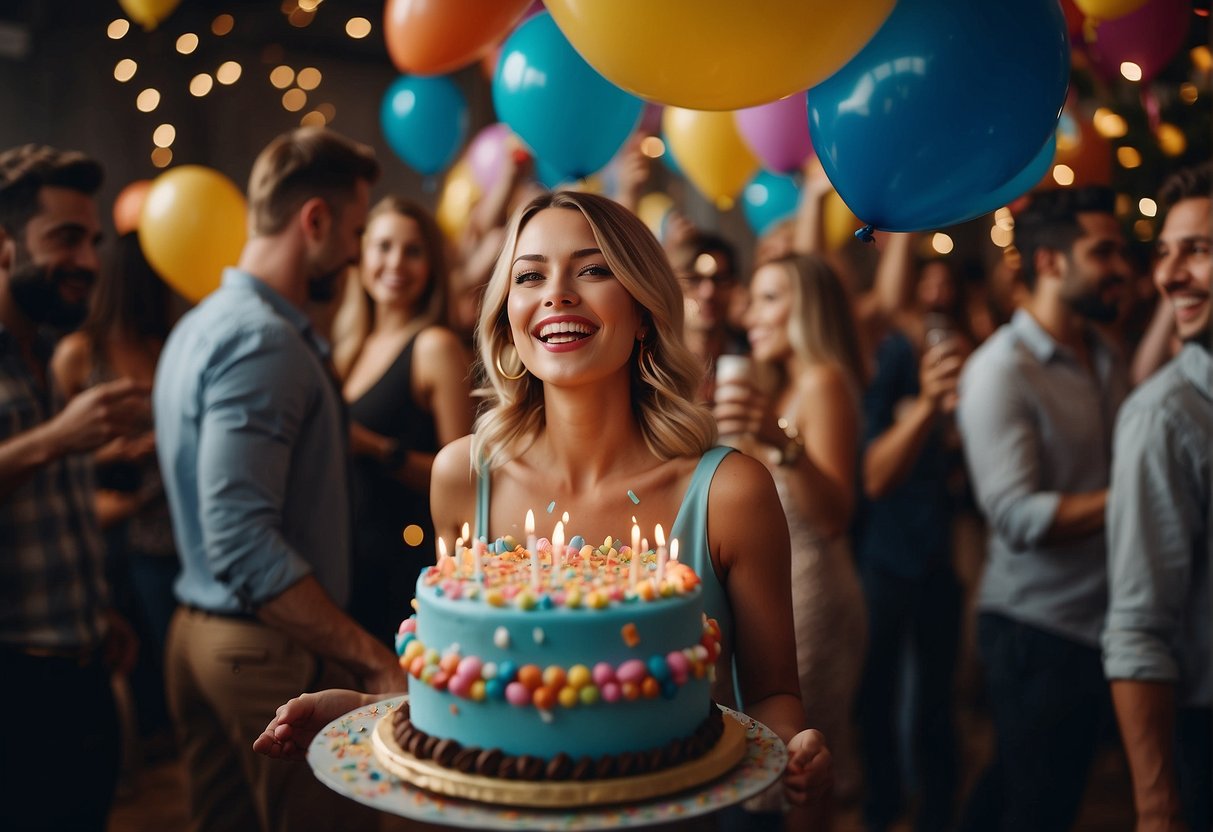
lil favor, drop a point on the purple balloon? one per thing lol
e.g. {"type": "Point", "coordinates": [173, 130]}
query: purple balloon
{"type": "Point", "coordinates": [778, 133]}
{"type": "Point", "coordinates": [487, 153]}
{"type": "Point", "coordinates": [1149, 37]}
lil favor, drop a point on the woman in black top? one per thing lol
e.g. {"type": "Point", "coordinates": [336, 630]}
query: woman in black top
{"type": "Point", "coordinates": [405, 376]}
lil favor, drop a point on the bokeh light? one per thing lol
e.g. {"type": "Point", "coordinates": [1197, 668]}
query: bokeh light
{"type": "Point", "coordinates": [125, 70]}
{"type": "Point", "coordinates": [118, 28]}
{"type": "Point", "coordinates": [148, 100]}
{"type": "Point", "coordinates": [164, 135]}
{"type": "Point", "coordinates": [187, 43]}
{"type": "Point", "coordinates": [358, 27]}
{"type": "Point", "coordinates": [201, 84]}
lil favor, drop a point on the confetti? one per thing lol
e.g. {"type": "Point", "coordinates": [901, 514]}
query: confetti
{"type": "Point", "coordinates": [632, 496]}
{"type": "Point", "coordinates": [551, 506]}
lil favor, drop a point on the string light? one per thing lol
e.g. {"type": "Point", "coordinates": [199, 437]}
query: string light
{"type": "Point", "coordinates": [294, 100]}
{"type": "Point", "coordinates": [1001, 237]}
{"type": "Point", "coordinates": [1130, 71]}
{"type": "Point", "coordinates": [228, 73]}
{"type": "Point", "coordinates": [222, 25]}
{"type": "Point", "coordinates": [1129, 157]}
{"type": "Point", "coordinates": [201, 84]}
{"type": "Point", "coordinates": [118, 28]}
{"type": "Point", "coordinates": [125, 70]}
{"type": "Point", "coordinates": [1171, 140]}
{"type": "Point", "coordinates": [148, 100]}
{"type": "Point", "coordinates": [1108, 124]}
{"type": "Point", "coordinates": [308, 78]}
{"type": "Point", "coordinates": [1063, 175]}
{"type": "Point", "coordinates": [164, 135]}
{"type": "Point", "coordinates": [161, 157]}
{"type": "Point", "coordinates": [358, 27]}
{"type": "Point", "coordinates": [942, 243]}
{"type": "Point", "coordinates": [187, 43]}
{"type": "Point", "coordinates": [282, 77]}
{"type": "Point", "coordinates": [1147, 206]}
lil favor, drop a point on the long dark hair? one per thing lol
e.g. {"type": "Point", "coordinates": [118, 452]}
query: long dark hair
{"type": "Point", "coordinates": [129, 299]}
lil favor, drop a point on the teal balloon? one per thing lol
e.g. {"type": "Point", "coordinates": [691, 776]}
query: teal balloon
{"type": "Point", "coordinates": [570, 116]}
{"type": "Point", "coordinates": [425, 121]}
{"type": "Point", "coordinates": [768, 199]}
{"type": "Point", "coordinates": [1024, 181]}
{"type": "Point", "coordinates": [947, 103]}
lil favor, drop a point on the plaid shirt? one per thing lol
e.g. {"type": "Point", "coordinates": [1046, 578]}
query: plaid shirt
{"type": "Point", "coordinates": [53, 589]}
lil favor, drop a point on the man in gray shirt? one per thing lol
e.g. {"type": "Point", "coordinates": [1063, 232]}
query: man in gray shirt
{"type": "Point", "coordinates": [1157, 639]}
{"type": "Point", "coordinates": [1037, 405]}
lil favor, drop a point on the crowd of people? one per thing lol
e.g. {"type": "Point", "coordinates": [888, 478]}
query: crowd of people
{"type": "Point", "coordinates": [248, 490]}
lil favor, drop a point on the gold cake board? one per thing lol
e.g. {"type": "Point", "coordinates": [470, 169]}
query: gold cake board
{"type": "Point", "coordinates": [428, 775]}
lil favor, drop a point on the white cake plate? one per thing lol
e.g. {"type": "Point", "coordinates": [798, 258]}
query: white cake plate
{"type": "Point", "coordinates": [342, 757]}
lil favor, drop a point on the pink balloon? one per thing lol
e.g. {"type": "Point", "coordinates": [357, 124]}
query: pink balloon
{"type": "Point", "coordinates": [778, 133]}
{"type": "Point", "coordinates": [1149, 37]}
{"type": "Point", "coordinates": [487, 153]}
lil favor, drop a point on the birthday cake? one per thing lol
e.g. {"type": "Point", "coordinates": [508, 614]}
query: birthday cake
{"type": "Point", "coordinates": [561, 665]}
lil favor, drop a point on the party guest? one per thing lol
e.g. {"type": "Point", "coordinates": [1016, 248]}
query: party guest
{"type": "Point", "coordinates": [59, 636]}
{"type": "Point", "coordinates": [252, 445]}
{"type": "Point", "coordinates": [1157, 650]}
{"type": "Point", "coordinates": [1037, 404]}
{"type": "Point", "coordinates": [407, 384]}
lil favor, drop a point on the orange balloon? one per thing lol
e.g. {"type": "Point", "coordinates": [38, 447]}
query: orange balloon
{"type": "Point", "coordinates": [432, 37]}
{"type": "Point", "coordinates": [129, 205]}
{"type": "Point", "coordinates": [1082, 150]}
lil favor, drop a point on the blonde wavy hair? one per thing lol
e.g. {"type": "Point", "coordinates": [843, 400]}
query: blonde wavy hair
{"type": "Point", "coordinates": [821, 326]}
{"type": "Point", "coordinates": [665, 374]}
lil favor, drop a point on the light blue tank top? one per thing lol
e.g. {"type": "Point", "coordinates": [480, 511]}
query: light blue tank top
{"type": "Point", "coordinates": [690, 527]}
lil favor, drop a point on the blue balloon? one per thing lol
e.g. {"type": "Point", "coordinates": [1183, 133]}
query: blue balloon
{"type": "Point", "coordinates": [1025, 180]}
{"type": "Point", "coordinates": [768, 199]}
{"type": "Point", "coordinates": [571, 117]}
{"type": "Point", "coordinates": [425, 121]}
{"type": "Point", "coordinates": [947, 103]}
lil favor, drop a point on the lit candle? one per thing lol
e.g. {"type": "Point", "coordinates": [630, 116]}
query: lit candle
{"type": "Point", "coordinates": [531, 547]}
{"type": "Point", "coordinates": [441, 551]}
{"type": "Point", "coordinates": [659, 535]}
{"type": "Point", "coordinates": [674, 550]}
{"type": "Point", "coordinates": [558, 553]}
{"type": "Point", "coordinates": [634, 571]}
{"type": "Point", "coordinates": [474, 550]}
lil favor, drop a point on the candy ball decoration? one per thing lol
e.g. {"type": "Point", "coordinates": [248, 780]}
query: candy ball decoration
{"type": "Point", "coordinates": [432, 37]}
{"type": "Point", "coordinates": [1149, 37]}
{"type": "Point", "coordinates": [921, 128]}
{"type": "Point", "coordinates": [192, 226]}
{"type": "Point", "coordinates": [425, 121]}
{"type": "Point", "coordinates": [148, 13]}
{"type": "Point", "coordinates": [710, 152]}
{"type": "Point", "coordinates": [128, 205]}
{"type": "Point", "coordinates": [778, 133]}
{"type": "Point", "coordinates": [718, 54]}
{"type": "Point", "coordinates": [570, 116]}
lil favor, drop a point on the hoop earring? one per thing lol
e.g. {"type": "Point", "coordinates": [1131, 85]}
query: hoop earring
{"type": "Point", "coordinates": [501, 370]}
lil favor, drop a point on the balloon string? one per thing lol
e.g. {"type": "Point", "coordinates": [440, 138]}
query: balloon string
{"type": "Point", "coordinates": [864, 235]}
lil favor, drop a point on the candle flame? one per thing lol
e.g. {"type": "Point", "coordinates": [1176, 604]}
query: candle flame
{"type": "Point", "coordinates": [558, 539]}
{"type": "Point", "coordinates": [530, 522]}
{"type": "Point", "coordinates": [674, 549]}
{"type": "Point", "coordinates": [441, 548]}
{"type": "Point", "coordinates": [659, 535]}
{"type": "Point", "coordinates": [467, 532]}
{"type": "Point", "coordinates": [565, 518]}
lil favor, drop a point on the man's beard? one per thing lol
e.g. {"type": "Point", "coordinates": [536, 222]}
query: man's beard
{"type": "Point", "coordinates": [323, 288]}
{"type": "Point", "coordinates": [1093, 307]}
{"type": "Point", "coordinates": [35, 291]}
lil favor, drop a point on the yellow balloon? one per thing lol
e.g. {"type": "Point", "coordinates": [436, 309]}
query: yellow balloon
{"type": "Point", "coordinates": [1108, 9]}
{"type": "Point", "coordinates": [710, 151]}
{"type": "Point", "coordinates": [192, 226]}
{"type": "Point", "coordinates": [459, 193]}
{"type": "Point", "coordinates": [718, 54]}
{"type": "Point", "coordinates": [148, 13]}
{"type": "Point", "coordinates": [653, 209]}
{"type": "Point", "coordinates": [840, 223]}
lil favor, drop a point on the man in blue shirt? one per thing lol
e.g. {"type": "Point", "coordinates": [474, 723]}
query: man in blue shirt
{"type": "Point", "coordinates": [1038, 401]}
{"type": "Point", "coordinates": [1157, 640]}
{"type": "Point", "coordinates": [252, 444]}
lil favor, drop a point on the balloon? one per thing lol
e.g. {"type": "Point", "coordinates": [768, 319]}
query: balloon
{"type": "Point", "coordinates": [1074, 18]}
{"type": "Point", "coordinates": [768, 199]}
{"type": "Point", "coordinates": [1148, 37]}
{"type": "Point", "coordinates": [570, 116]}
{"type": "Point", "coordinates": [425, 121]}
{"type": "Point", "coordinates": [129, 204]}
{"type": "Point", "coordinates": [653, 209]}
{"type": "Point", "coordinates": [487, 152]}
{"type": "Point", "coordinates": [840, 223]}
{"type": "Point", "coordinates": [148, 13]}
{"type": "Point", "coordinates": [459, 194]}
{"type": "Point", "coordinates": [718, 54]}
{"type": "Point", "coordinates": [709, 150]}
{"type": "Point", "coordinates": [1083, 150]}
{"type": "Point", "coordinates": [192, 226]}
{"type": "Point", "coordinates": [1024, 181]}
{"type": "Point", "coordinates": [778, 133]}
{"type": "Point", "coordinates": [432, 37]}
{"type": "Point", "coordinates": [920, 128]}
{"type": "Point", "coordinates": [1108, 9]}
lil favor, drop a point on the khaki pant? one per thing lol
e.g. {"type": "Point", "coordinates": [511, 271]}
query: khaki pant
{"type": "Point", "coordinates": [225, 678]}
